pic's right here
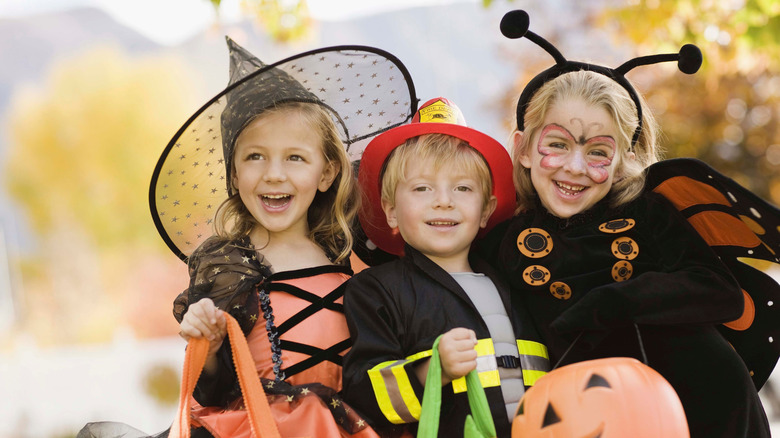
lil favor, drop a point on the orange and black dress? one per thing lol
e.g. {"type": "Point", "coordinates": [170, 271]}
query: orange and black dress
{"type": "Point", "coordinates": [295, 328]}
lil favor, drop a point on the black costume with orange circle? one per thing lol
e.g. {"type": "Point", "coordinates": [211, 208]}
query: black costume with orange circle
{"type": "Point", "coordinates": [610, 268]}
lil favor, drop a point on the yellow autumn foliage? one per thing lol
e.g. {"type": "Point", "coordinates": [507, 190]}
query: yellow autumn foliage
{"type": "Point", "coordinates": [84, 144]}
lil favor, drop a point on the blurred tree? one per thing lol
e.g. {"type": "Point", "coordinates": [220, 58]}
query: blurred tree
{"type": "Point", "coordinates": [84, 145]}
{"type": "Point", "coordinates": [727, 114]}
{"type": "Point", "coordinates": [82, 149]}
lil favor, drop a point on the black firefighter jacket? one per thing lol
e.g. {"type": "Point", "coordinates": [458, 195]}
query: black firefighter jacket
{"type": "Point", "coordinates": [395, 312]}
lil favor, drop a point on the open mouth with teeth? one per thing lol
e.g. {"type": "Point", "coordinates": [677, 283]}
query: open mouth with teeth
{"type": "Point", "coordinates": [570, 190]}
{"type": "Point", "coordinates": [276, 201]}
{"type": "Point", "coordinates": [442, 223]}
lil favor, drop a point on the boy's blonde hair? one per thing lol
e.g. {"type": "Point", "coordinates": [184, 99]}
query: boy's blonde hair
{"type": "Point", "coordinates": [331, 213]}
{"type": "Point", "coordinates": [440, 150]}
{"type": "Point", "coordinates": [601, 91]}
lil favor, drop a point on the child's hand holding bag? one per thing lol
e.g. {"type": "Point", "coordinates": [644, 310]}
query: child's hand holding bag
{"type": "Point", "coordinates": [478, 424]}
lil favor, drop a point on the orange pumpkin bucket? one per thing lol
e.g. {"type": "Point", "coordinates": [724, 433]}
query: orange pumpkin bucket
{"type": "Point", "coordinates": [604, 398]}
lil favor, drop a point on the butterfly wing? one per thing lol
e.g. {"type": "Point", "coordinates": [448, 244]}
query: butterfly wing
{"type": "Point", "coordinates": [744, 231]}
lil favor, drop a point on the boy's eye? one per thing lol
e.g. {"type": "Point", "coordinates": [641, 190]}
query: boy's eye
{"type": "Point", "coordinates": [463, 189]}
{"type": "Point", "coordinates": [421, 189]}
{"type": "Point", "coordinates": [296, 158]}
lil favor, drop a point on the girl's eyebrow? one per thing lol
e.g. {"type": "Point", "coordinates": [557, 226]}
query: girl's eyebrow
{"type": "Point", "coordinates": [606, 139]}
{"type": "Point", "coordinates": [554, 128]}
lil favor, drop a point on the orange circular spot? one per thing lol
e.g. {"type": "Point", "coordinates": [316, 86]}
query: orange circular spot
{"type": "Point", "coordinates": [753, 225]}
{"type": "Point", "coordinates": [560, 290]}
{"type": "Point", "coordinates": [617, 225]}
{"type": "Point", "coordinates": [622, 270]}
{"type": "Point", "coordinates": [743, 322]}
{"type": "Point", "coordinates": [536, 275]}
{"type": "Point", "coordinates": [625, 248]}
{"type": "Point", "coordinates": [534, 243]}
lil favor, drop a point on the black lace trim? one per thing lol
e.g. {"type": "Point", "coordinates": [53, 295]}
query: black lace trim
{"type": "Point", "coordinates": [270, 328]}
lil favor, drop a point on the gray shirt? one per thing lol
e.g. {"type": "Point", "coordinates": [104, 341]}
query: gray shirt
{"type": "Point", "coordinates": [484, 295]}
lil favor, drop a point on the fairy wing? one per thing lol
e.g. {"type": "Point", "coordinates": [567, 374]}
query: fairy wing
{"type": "Point", "coordinates": [744, 231]}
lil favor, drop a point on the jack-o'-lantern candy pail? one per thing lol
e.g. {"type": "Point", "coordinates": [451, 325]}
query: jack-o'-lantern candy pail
{"type": "Point", "coordinates": [605, 398]}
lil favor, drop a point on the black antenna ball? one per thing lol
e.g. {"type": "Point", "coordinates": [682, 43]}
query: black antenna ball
{"type": "Point", "coordinates": [515, 24]}
{"type": "Point", "coordinates": [690, 59]}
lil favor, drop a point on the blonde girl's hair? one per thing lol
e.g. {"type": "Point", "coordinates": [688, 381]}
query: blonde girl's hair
{"type": "Point", "coordinates": [440, 150]}
{"type": "Point", "coordinates": [597, 90]}
{"type": "Point", "coordinates": [331, 213]}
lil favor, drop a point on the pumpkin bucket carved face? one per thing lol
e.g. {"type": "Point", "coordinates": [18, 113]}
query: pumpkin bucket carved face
{"type": "Point", "coordinates": [605, 398]}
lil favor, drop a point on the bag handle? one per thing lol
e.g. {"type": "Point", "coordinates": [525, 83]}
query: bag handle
{"type": "Point", "coordinates": [258, 411]}
{"type": "Point", "coordinates": [478, 424]}
{"type": "Point", "coordinates": [638, 339]}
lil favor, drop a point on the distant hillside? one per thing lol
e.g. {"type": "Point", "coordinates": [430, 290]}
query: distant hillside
{"type": "Point", "coordinates": [28, 45]}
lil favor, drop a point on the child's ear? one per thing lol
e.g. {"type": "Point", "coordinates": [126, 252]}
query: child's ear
{"type": "Point", "coordinates": [630, 157]}
{"type": "Point", "coordinates": [490, 207]}
{"type": "Point", "coordinates": [329, 175]}
{"type": "Point", "coordinates": [520, 155]}
{"type": "Point", "coordinates": [389, 209]}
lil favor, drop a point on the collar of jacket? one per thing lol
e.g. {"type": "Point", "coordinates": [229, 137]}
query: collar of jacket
{"type": "Point", "coordinates": [437, 273]}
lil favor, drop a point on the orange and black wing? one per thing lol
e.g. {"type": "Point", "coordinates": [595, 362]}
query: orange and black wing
{"type": "Point", "coordinates": [744, 231]}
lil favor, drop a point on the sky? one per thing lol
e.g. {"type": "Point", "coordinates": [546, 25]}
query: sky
{"type": "Point", "coordinates": [170, 22]}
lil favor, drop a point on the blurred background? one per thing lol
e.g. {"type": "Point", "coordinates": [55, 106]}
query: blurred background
{"type": "Point", "coordinates": [91, 91]}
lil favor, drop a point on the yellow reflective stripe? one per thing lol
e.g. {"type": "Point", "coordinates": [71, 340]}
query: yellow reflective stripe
{"type": "Point", "coordinates": [531, 376]}
{"type": "Point", "coordinates": [393, 390]}
{"type": "Point", "coordinates": [486, 367]}
{"type": "Point", "coordinates": [489, 379]}
{"type": "Point", "coordinates": [407, 392]}
{"type": "Point", "coordinates": [381, 393]}
{"type": "Point", "coordinates": [459, 385]}
{"type": "Point", "coordinates": [420, 355]}
{"type": "Point", "coordinates": [485, 347]}
{"type": "Point", "coordinates": [532, 348]}
{"type": "Point", "coordinates": [534, 360]}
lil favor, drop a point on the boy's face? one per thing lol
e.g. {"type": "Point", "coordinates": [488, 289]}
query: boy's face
{"type": "Point", "coordinates": [572, 157]}
{"type": "Point", "coordinates": [439, 212]}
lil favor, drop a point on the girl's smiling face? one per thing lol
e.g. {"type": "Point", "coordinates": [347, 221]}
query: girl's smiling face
{"type": "Point", "coordinates": [279, 167]}
{"type": "Point", "coordinates": [572, 157]}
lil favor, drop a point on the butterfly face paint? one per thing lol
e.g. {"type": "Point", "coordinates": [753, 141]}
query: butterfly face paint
{"type": "Point", "coordinates": [558, 148]}
{"type": "Point", "coordinates": [572, 157]}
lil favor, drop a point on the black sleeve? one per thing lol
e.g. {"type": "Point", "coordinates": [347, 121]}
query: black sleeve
{"type": "Point", "coordinates": [691, 286]}
{"type": "Point", "coordinates": [220, 387]}
{"type": "Point", "coordinates": [377, 331]}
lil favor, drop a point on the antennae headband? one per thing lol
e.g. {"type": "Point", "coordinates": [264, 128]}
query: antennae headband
{"type": "Point", "coordinates": [515, 25]}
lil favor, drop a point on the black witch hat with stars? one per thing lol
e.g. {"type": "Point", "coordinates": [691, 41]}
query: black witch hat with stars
{"type": "Point", "coordinates": [366, 90]}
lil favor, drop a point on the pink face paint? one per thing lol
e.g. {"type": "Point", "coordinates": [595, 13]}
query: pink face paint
{"type": "Point", "coordinates": [551, 159]}
{"type": "Point", "coordinates": [597, 169]}
{"type": "Point", "coordinates": [599, 175]}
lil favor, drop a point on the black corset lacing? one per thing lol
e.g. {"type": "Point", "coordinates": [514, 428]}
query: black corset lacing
{"type": "Point", "coordinates": [316, 354]}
